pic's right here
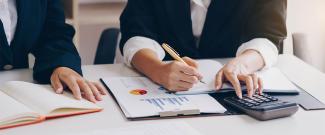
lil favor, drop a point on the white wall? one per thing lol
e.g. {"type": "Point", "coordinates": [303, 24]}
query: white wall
{"type": "Point", "coordinates": [308, 16]}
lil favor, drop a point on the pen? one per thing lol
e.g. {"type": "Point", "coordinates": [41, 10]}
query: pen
{"type": "Point", "coordinates": [175, 55]}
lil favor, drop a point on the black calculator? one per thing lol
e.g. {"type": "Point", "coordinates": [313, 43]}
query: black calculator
{"type": "Point", "coordinates": [262, 106]}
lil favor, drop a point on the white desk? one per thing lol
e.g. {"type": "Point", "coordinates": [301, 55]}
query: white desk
{"type": "Point", "coordinates": [311, 122]}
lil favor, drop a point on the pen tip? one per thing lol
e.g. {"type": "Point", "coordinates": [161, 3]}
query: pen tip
{"type": "Point", "coordinates": [202, 82]}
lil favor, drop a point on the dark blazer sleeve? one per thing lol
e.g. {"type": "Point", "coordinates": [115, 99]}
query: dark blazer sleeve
{"type": "Point", "coordinates": [137, 19]}
{"type": "Point", "coordinates": [55, 47]}
{"type": "Point", "coordinates": [267, 19]}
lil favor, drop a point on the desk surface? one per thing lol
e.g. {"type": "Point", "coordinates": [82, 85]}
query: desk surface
{"type": "Point", "coordinates": [304, 122]}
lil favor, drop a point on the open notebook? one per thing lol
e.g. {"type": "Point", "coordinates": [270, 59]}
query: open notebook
{"type": "Point", "coordinates": [25, 103]}
{"type": "Point", "coordinates": [273, 80]}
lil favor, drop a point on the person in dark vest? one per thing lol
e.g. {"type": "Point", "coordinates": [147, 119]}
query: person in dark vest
{"type": "Point", "coordinates": [251, 31]}
{"type": "Point", "coordinates": [38, 27]}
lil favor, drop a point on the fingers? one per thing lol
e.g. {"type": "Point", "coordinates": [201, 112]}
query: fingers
{"type": "Point", "coordinates": [101, 88]}
{"type": "Point", "coordinates": [189, 71]}
{"type": "Point", "coordinates": [72, 85]}
{"type": "Point", "coordinates": [95, 91]}
{"type": "Point", "coordinates": [179, 86]}
{"type": "Point", "coordinates": [219, 81]}
{"type": "Point", "coordinates": [255, 81]}
{"type": "Point", "coordinates": [260, 84]}
{"type": "Point", "coordinates": [188, 78]}
{"type": "Point", "coordinates": [78, 86]}
{"type": "Point", "coordinates": [249, 84]}
{"type": "Point", "coordinates": [185, 85]}
{"type": "Point", "coordinates": [191, 62]}
{"type": "Point", "coordinates": [235, 83]}
{"type": "Point", "coordinates": [56, 84]}
{"type": "Point", "coordinates": [87, 92]}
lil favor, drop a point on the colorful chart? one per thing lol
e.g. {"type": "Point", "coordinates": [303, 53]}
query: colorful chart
{"type": "Point", "coordinates": [138, 92]}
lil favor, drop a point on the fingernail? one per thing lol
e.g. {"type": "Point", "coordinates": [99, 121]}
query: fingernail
{"type": "Point", "coordinates": [93, 99]}
{"type": "Point", "coordinates": [58, 91]}
{"type": "Point", "coordinates": [99, 98]}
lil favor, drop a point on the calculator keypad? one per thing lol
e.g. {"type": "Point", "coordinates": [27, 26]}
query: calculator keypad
{"type": "Point", "coordinates": [263, 107]}
{"type": "Point", "coordinates": [258, 102]}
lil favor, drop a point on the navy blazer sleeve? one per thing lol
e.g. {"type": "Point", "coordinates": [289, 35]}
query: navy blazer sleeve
{"type": "Point", "coordinates": [267, 19]}
{"type": "Point", "coordinates": [55, 47]}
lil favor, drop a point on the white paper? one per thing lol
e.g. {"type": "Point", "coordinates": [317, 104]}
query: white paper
{"type": "Point", "coordinates": [273, 80]}
{"type": "Point", "coordinates": [12, 110]}
{"type": "Point", "coordinates": [163, 128]}
{"type": "Point", "coordinates": [155, 99]}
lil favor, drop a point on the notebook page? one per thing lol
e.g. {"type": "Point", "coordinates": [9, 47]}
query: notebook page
{"type": "Point", "coordinates": [208, 69]}
{"type": "Point", "coordinates": [275, 81]}
{"type": "Point", "coordinates": [11, 109]}
{"type": "Point", "coordinates": [42, 99]}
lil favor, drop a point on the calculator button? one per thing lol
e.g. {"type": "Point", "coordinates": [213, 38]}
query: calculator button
{"type": "Point", "coordinates": [241, 101]}
{"type": "Point", "coordinates": [260, 101]}
{"type": "Point", "coordinates": [257, 100]}
{"type": "Point", "coordinates": [253, 102]}
{"type": "Point", "coordinates": [249, 104]}
{"type": "Point", "coordinates": [274, 99]}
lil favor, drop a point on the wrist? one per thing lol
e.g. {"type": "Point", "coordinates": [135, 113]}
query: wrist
{"type": "Point", "coordinates": [58, 69]}
{"type": "Point", "coordinates": [157, 68]}
{"type": "Point", "coordinates": [251, 60]}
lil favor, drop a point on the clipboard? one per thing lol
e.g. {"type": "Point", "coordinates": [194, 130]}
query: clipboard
{"type": "Point", "coordinates": [305, 100]}
{"type": "Point", "coordinates": [180, 113]}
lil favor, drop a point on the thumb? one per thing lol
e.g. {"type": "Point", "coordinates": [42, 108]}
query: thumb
{"type": "Point", "coordinates": [191, 62]}
{"type": "Point", "coordinates": [56, 84]}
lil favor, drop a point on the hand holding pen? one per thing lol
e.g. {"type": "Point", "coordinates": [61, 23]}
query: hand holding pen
{"type": "Point", "coordinates": [174, 75]}
{"type": "Point", "coordinates": [181, 74]}
{"type": "Point", "coordinates": [177, 57]}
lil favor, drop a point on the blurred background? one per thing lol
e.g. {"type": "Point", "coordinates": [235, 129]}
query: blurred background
{"type": "Point", "coordinates": [305, 22]}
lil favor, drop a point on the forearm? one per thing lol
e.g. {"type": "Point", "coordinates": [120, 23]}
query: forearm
{"type": "Point", "coordinates": [147, 62]}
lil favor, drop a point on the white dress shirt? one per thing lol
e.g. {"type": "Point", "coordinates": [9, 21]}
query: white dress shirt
{"type": "Point", "coordinates": [8, 16]}
{"type": "Point", "coordinates": [199, 9]}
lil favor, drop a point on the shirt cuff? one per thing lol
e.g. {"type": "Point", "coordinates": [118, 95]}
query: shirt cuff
{"type": "Point", "coordinates": [137, 43]}
{"type": "Point", "coordinates": [263, 46]}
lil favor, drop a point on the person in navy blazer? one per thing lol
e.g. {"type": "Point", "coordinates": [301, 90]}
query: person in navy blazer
{"type": "Point", "coordinates": [41, 30]}
{"type": "Point", "coordinates": [251, 31]}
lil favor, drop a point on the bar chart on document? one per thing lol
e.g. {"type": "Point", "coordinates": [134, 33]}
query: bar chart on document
{"type": "Point", "coordinates": [162, 102]}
